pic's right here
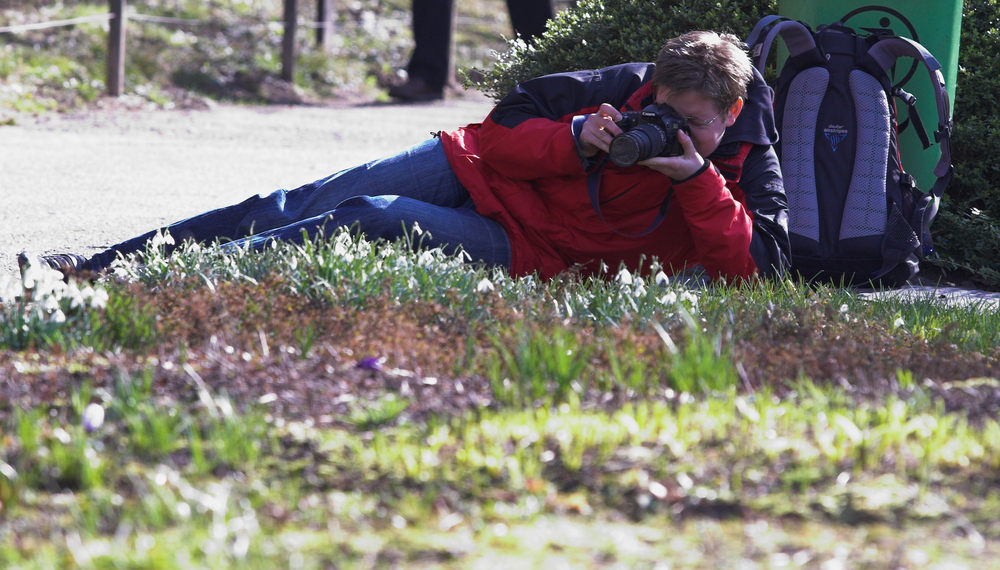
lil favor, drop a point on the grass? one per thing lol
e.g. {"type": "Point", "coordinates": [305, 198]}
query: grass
{"type": "Point", "coordinates": [349, 404]}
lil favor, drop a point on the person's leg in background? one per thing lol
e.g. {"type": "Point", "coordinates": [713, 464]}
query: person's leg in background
{"type": "Point", "coordinates": [529, 17]}
{"type": "Point", "coordinates": [430, 63]}
{"type": "Point", "coordinates": [430, 67]}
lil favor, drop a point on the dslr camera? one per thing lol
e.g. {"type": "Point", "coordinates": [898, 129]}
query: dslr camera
{"type": "Point", "coordinates": [647, 133]}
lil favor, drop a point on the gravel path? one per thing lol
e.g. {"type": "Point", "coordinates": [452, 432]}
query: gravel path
{"type": "Point", "coordinates": [80, 182]}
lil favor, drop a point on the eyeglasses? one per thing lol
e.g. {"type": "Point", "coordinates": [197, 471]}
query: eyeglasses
{"type": "Point", "coordinates": [701, 123]}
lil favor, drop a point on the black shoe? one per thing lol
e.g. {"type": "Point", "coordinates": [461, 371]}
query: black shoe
{"type": "Point", "coordinates": [416, 90]}
{"type": "Point", "coordinates": [65, 263]}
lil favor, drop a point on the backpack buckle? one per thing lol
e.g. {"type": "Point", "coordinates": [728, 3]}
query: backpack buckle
{"type": "Point", "coordinates": [907, 181]}
{"type": "Point", "coordinates": [907, 98]}
{"type": "Point", "coordinates": [944, 132]}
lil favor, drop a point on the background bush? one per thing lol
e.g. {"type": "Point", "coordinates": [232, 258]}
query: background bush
{"type": "Point", "coordinates": [967, 230]}
{"type": "Point", "coordinates": [968, 227]}
{"type": "Point", "coordinates": [617, 31]}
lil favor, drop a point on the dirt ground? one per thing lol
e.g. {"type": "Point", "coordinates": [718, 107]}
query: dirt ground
{"type": "Point", "coordinates": [83, 181]}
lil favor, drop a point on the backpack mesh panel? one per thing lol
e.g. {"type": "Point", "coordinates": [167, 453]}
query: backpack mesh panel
{"type": "Point", "coordinates": [798, 132]}
{"type": "Point", "coordinates": [865, 209]}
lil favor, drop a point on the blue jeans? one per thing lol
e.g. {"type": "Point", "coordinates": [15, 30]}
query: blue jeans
{"type": "Point", "coordinates": [382, 199]}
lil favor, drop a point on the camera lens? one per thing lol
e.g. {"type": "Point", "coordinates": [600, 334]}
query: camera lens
{"type": "Point", "coordinates": [645, 141]}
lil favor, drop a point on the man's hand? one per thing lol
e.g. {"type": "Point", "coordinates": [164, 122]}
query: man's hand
{"type": "Point", "coordinates": [598, 130]}
{"type": "Point", "coordinates": [678, 167]}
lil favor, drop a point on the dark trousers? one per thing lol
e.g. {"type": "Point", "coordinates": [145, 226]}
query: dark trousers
{"type": "Point", "coordinates": [432, 26]}
{"type": "Point", "coordinates": [529, 16]}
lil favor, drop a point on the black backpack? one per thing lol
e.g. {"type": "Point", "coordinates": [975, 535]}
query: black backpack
{"type": "Point", "coordinates": [854, 215]}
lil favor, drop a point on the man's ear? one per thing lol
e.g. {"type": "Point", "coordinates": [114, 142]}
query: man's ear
{"type": "Point", "coordinates": [734, 112]}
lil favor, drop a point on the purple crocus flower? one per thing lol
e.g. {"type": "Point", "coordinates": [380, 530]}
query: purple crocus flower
{"type": "Point", "coordinates": [370, 363]}
{"type": "Point", "coordinates": [93, 417]}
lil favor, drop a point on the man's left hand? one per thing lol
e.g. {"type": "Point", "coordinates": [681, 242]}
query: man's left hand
{"type": "Point", "coordinates": [678, 167]}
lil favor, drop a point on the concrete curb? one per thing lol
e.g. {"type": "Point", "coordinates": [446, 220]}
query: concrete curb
{"type": "Point", "coordinates": [985, 300]}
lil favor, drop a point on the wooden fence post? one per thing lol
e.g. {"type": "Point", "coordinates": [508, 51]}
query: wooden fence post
{"type": "Point", "coordinates": [288, 41]}
{"type": "Point", "coordinates": [324, 15]}
{"type": "Point", "coordinates": [116, 48]}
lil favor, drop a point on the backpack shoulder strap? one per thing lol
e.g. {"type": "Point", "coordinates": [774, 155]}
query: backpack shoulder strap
{"type": "Point", "coordinates": [762, 26]}
{"type": "Point", "coordinates": [796, 35]}
{"type": "Point", "coordinates": [884, 53]}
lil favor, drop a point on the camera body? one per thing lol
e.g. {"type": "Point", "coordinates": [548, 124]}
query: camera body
{"type": "Point", "coordinates": [647, 133]}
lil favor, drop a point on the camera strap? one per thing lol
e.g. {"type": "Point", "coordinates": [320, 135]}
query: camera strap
{"type": "Point", "coordinates": [593, 188]}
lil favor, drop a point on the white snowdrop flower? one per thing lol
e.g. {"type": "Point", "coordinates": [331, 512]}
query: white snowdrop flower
{"type": "Point", "coordinates": [49, 304]}
{"type": "Point", "coordinates": [45, 281]}
{"type": "Point", "coordinates": [120, 271]}
{"type": "Point", "coordinates": [62, 436]}
{"type": "Point", "coordinates": [76, 298]}
{"type": "Point", "coordinates": [161, 238]}
{"type": "Point", "coordinates": [417, 229]}
{"type": "Point", "coordinates": [624, 276]}
{"type": "Point", "coordinates": [661, 279]}
{"type": "Point", "coordinates": [426, 258]}
{"type": "Point", "coordinates": [484, 285]}
{"type": "Point", "coordinates": [10, 289]}
{"type": "Point", "coordinates": [57, 317]}
{"type": "Point", "coordinates": [30, 277]}
{"type": "Point", "coordinates": [340, 244]}
{"type": "Point", "coordinates": [690, 298]}
{"type": "Point", "coordinates": [640, 290]}
{"type": "Point", "coordinates": [843, 308]}
{"type": "Point", "coordinates": [100, 299]}
{"type": "Point", "coordinates": [670, 298]}
{"type": "Point", "coordinates": [57, 287]}
{"type": "Point", "coordinates": [898, 322]}
{"type": "Point", "coordinates": [87, 292]}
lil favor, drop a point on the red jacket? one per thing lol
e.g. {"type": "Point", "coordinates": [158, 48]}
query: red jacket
{"type": "Point", "coordinates": [522, 168]}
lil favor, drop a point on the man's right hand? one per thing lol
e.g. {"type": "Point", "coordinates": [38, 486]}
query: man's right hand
{"type": "Point", "coordinates": [598, 130]}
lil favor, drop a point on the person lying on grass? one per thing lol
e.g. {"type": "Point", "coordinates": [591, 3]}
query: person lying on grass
{"type": "Point", "coordinates": [530, 188]}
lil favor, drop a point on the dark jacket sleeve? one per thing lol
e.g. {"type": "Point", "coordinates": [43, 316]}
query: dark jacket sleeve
{"type": "Point", "coordinates": [760, 179]}
{"type": "Point", "coordinates": [764, 194]}
{"type": "Point", "coordinates": [561, 95]}
{"type": "Point", "coordinates": [529, 133]}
